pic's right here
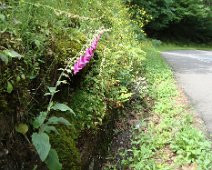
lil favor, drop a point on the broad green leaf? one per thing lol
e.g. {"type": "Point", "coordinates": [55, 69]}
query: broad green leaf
{"type": "Point", "coordinates": [58, 120]}
{"type": "Point", "coordinates": [62, 107]}
{"type": "Point", "coordinates": [4, 58]}
{"type": "Point", "coordinates": [12, 54]}
{"type": "Point", "coordinates": [52, 161]}
{"type": "Point", "coordinates": [53, 90]}
{"type": "Point", "coordinates": [9, 87]}
{"type": "Point", "coordinates": [22, 128]}
{"type": "Point", "coordinates": [18, 78]}
{"type": "Point", "coordinates": [2, 17]}
{"type": "Point", "coordinates": [39, 120]}
{"type": "Point", "coordinates": [125, 96]}
{"type": "Point", "coordinates": [23, 76]}
{"type": "Point", "coordinates": [37, 43]}
{"type": "Point", "coordinates": [49, 129]}
{"type": "Point", "coordinates": [42, 145]}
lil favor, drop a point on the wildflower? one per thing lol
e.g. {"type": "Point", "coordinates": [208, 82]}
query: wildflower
{"type": "Point", "coordinates": [89, 53]}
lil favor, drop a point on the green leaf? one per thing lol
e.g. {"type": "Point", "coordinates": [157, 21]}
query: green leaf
{"type": "Point", "coordinates": [2, 17]}
{"type": "Point", "coordinates": [39, 120]}
{"type": "Point", "coordinates": [125, 96]}
{"type": "Point", "coordinates": [58, 120]}
{"type": "Point", "coordinates": [35, 167]}
{"type": "Point", "coordinates": [23, 76]}
{"type": "Point", "coordinates": [9, 87]}
{"type": "Point", "coordinates": [6, 54]}
{"type": "Point", "coordinates": [47, 94]}
{"type": "Point", "coordinates": [49, 129]}
{"type": "Point", "coordinates": [18, 78]}
{"type": "Point", "coordinates": [4, 58]}
{"type": "Point", "coordinates": [61, 69]}
{"type": "Point", "coordinates": [53, 90]}
{"type": "Point", "coordinates": [62, 107]}
{"type": "Point", "coordinates": [68, 71]}
{"type": "Point", "coordinates": [22, 128]}
{"type": "Point", "coordinates": [12, 54]}
{"type": "Point", "coordinates": [42, 145]}
{"type": "Point", "coordinates": [37, 43]}
{"type": "Point", "coordinates": [65, 75]}
{"type": "Point", "coordinates": [52, 161]}
{"type": "Point", "coordinates": [61, 82]}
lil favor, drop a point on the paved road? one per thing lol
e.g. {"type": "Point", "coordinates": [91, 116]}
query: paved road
{"type": "Point", "coordinates": [193, 70]}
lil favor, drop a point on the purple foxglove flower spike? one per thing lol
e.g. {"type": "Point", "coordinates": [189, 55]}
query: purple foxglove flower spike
{"type": "Point", "coordinates": [94, 44]}
{"type": "Point", "coordinates": [89, 52]}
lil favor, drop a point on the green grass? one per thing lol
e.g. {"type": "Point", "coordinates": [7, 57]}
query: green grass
{"type": "Point", "coordinates": [167, 46]}
{"type": "Point", "coordinates": [168, 139]}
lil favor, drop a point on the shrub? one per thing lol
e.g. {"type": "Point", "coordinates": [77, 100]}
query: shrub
{"type": "Point", "coordinates": [39, 38]}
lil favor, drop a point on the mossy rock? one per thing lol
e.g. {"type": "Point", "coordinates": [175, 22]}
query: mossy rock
{"type": "Point", "coordinates": [66, 148]}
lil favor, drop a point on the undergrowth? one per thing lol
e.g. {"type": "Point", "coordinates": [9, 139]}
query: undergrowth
{"type": "Point", "coordinates": [168, 138]}
{"type": "Point", "coordinates": [39, 38]}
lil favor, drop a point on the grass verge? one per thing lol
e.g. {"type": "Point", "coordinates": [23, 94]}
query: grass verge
{"type": "Point", "coordinates": [168, 46]}
{"type": "Point", "coordinates": [168, 138]}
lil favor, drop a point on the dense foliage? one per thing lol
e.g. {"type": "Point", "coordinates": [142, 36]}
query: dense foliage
{"type": "Point", "coordinates": [58, 83]}
{"type": "Point", "coordinates": [40, 42]}
{"type": "Point", "coordinates": [173, 20]}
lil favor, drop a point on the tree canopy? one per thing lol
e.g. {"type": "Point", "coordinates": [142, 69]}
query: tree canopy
{"type": "Point", "coordinates": [190, 19]}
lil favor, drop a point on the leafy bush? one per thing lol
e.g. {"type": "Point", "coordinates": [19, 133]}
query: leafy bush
{"type": "Point", "coordinates": [41, 40]}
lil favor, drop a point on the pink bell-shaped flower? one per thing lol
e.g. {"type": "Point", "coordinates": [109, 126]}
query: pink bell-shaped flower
{"type": "Point", "coordinates": [89, 52]}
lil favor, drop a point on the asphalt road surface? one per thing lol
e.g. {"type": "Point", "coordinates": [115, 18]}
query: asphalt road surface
{"type": "Point", "coordinates": [193, 70]}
